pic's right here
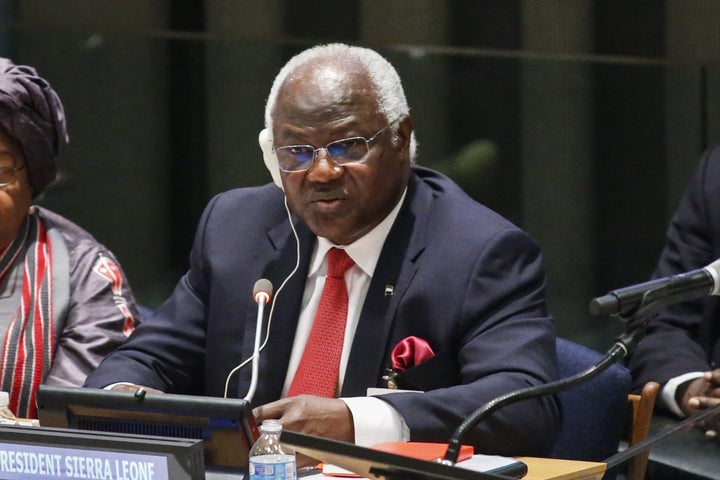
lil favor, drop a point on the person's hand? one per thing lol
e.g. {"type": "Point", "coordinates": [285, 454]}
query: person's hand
{"type": "Point", "coordinates": [125, 387]}
{"type": "Point", "coordinates": [703, 393]}
{"type": "Point", "coordinates": [318, 416]}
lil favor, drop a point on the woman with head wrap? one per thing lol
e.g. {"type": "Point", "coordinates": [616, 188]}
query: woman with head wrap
{"type": "Point", "coordinates": [64, 301]}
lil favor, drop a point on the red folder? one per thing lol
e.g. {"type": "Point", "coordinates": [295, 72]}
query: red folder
{"type": "Point", "coordinates": [423, 450]}
{"type": "Point", "coordinates": [420, 450]}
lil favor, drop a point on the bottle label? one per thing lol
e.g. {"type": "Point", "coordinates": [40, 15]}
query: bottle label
{"type": "Point", "coordinates": [272, 467]}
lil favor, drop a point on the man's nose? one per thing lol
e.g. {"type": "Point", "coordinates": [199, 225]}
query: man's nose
{"type": "Point", "coordinates": [324, 168]}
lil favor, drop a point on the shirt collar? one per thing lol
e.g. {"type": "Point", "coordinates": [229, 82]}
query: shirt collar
{"type": "Point", "coordinates": [365, 251]}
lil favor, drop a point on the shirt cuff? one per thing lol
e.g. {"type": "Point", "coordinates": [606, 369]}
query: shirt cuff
{"type": "Point", "coordinates": [668, 392]}
{"type": "Point", "coordinates": [112, 385]}
{"type": "Point", "coordinates": [376, 421]}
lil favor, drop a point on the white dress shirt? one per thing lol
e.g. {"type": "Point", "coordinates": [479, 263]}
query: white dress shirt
{"type": "Point", "coordinates": [375, 421]}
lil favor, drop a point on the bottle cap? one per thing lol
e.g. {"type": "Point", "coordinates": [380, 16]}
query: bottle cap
{"type": "Point", "coordinates": [271, 425]}
{"type": "Point", "coordinates": [4, 399]}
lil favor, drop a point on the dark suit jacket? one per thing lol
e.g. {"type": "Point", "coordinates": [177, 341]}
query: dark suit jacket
{"type": "Point", "coordinates": [464, 279]}
{"type": "Point", "coordinates": [685, 337]}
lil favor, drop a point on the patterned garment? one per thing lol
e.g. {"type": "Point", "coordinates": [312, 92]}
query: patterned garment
{"type": "Point", "coordinates": [29, 342]}
{"type": "Point", "coordinates": [65, 304]}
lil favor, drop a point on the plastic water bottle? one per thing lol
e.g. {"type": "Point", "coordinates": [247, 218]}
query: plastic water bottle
{"type": "Point", "coordinates": [7, 417]}
{"type": "Point", "coordinates": [268, 459]}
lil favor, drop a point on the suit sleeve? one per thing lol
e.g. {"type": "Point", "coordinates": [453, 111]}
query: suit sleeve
{"type": "Point", "coordinates": [506, 342]}
{"type": "Point", "coordinates": [101, 314]}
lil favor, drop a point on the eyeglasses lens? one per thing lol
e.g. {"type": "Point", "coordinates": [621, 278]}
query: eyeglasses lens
{"type": "Point", "coordinates": [7, 176]}
{"type": "Point", "coordinates": [348, 150]}
{"type": "Point", "coordinates": [300, 157]}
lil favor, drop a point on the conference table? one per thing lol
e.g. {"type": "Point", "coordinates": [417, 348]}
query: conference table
{"type": "Point", "coordinates": [554, 469]}
{"type": "Point", "coordinates": [396, 459]}
{"type": "Point", "coordinates": [685, 455]}
{"type": "Point", "coordinates": [538, 468]}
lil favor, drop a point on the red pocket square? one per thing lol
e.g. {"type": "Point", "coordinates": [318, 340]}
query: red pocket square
{"type": "Point", "coordinates": [409, 352]}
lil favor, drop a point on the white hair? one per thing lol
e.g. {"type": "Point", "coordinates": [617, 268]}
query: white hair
{"type": "Point", "coordinates": [392, 103]}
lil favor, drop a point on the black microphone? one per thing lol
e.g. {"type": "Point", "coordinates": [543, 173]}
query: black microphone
{"type": "Point", "coordinates": [262, 291]}
{"type": "Point", "coordinates": [662, 291]}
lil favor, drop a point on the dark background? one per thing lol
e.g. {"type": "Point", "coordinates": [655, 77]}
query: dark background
{"type": "Point", "coordinates": [579, 120]}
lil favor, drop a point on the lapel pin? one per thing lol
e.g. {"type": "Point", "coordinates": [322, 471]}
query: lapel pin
{"type": "Point", "coordinates": [389, 290]}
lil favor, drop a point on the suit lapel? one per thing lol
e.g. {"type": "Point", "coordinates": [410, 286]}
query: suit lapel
{"type": "Point", "coordinates": [394, 272]}
{"type": "Point", "coordinates": [275, 265]}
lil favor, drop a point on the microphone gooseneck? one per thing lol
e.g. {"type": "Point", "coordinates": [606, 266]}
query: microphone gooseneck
{"type": "Point", "coordinates": [618, 351]}
{"type": "Point", "coordinates": [262, 290]}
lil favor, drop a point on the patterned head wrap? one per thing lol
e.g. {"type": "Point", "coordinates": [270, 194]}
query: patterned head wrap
{"type": "Point", "coordinates": [32, 114]}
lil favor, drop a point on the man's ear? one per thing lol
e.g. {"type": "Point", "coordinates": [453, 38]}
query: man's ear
{"type": "Point", "coordinates": [271, 162]}
{"type": "Point", "coordinates": [405, 133]}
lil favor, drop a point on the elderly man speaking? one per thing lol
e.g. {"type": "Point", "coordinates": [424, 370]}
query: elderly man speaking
{"type": "Point", "coordinates": [386, 274]}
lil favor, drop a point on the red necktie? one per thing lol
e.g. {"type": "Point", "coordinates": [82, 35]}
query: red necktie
{"type": "Point", "coordinates": [318, 371]}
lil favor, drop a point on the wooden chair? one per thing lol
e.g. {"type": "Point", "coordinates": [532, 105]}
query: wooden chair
{"type": "Point", "coordinates": [638, 427]}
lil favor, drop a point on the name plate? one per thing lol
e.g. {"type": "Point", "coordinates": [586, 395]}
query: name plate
{"type": "Point", "coordinates": [64, 454]}
{"type": "Point", "coordinates": [20, 461]}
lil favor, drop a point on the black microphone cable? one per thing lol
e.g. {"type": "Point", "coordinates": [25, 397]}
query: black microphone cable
{"type": "Point", "coordinates": [618, 351]}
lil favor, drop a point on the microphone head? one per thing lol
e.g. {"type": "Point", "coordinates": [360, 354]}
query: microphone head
{"type": "Point", "coordinates": [262, 290]}
{"type": "Point", "coordinates": [607, 304]}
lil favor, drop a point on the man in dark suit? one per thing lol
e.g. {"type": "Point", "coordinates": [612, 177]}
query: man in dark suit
{"type": "Point", "coordinates": [434, 271]}
{"type": "Point", "coordinates": [681, 349]}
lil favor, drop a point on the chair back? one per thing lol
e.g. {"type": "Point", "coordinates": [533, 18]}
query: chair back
{"type": "Point", "coordinates": [593, 412]}
{"type": "Point", "coordinates": [638, 427]}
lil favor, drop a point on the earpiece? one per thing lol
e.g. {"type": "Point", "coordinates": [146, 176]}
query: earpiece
{"type": "Point", "coordinates": [271, 162]}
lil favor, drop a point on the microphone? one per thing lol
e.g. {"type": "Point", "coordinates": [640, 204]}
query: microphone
{"type": "Point", "coordinates": [262, 291]}
{"type": "Point", "coordinates": [663, 291]}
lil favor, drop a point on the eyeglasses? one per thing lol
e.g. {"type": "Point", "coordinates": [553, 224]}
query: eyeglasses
{"type": "Point", "coordinates": [298, 158]}
{"type": "Point", "coordinates": [7, 175]}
